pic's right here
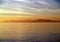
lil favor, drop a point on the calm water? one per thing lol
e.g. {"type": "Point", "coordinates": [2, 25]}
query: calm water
{"type": "Point", "coordinates": [29, 32]}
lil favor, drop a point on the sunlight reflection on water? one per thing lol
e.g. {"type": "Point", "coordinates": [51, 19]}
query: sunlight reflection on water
{"type": "Point", "coordinates": [28, 32]}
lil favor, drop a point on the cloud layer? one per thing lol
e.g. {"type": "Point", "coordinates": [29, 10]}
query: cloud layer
{"type": "Point", "coordinates": [32, 6]}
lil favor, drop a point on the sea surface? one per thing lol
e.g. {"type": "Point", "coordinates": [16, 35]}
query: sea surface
{"type": "Point", "coordinates": [29, 32]}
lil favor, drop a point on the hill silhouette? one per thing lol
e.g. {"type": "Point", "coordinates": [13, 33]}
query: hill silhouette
{"type": "Point", "coordinates": [32, 20]}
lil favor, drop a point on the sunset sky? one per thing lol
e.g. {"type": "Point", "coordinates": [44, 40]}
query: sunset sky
{"type": "Point", "coordinates": [37, 8]}
{"type": "Point", "coordinates": [13, 10]}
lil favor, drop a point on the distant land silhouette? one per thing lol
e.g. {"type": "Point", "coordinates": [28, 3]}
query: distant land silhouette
{"type": "Point", "coordinates": [32, 20]}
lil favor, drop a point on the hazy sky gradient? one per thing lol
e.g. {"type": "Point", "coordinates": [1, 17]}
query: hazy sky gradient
{"type": "Point", "coordinates": [30, 7]}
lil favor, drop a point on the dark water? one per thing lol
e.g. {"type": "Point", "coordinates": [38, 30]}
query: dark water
{"type": "Point", "coordinates": [29, 32]}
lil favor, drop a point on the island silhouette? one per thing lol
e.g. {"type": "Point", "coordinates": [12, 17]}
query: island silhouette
{"type": "Point", "coordinates": [31, 20]}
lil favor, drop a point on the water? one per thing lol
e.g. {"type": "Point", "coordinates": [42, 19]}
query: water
{"type": "Point", "coordinates": [29, 32]}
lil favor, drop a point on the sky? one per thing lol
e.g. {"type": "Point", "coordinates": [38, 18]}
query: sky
{"type": "Point", "coordinates": [30, 7]}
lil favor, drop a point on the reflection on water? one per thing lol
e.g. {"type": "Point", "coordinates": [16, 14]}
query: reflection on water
{"type": "Point", "coordinates": [29, 32]}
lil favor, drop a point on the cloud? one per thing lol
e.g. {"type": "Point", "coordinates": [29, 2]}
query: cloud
{"type": "Point", "coordinates": [31, 6]}
{"type": "Point", "coordinates": [58, 1]}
